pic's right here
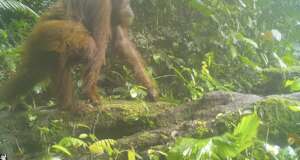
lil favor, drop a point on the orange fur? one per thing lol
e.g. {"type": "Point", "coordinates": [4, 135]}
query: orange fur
{"type": "Point", "coordinates": [122, 17]}
{"type": "Point", "coordinates": [76, 32]}
{"type": "Point", "coordinates": [71, 32]}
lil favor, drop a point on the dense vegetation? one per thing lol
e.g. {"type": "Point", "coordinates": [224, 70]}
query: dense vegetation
{"type": "Point", "coordinates": [192, 47]}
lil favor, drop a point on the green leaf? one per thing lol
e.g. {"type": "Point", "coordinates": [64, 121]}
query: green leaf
{"type": "Point", "coordinates": [61, 149]}
{"type": "Point", "coordinates": [72, 142]}
{"type": "Point", "coordinates": [81, 125]}
{"type": "Point", "coordinates": [249, 41]}
{"type": "Point", "coordinates": [250, 63]}
{"type": "Point", "coordinates": [294, 108]}
{"type": "Point", "coordinates": [83, 136]}
{"type": "Point", "coordinates": [289, 59]}
{"type": "Point", "coordinates": [293, 85]}
{"type": "Point", "coordinates": [12, 5]}
{"type": "Point", "coordinates": [201, 8]}
{"type": "Point", "coordinates": [184, 148]}
{"type": "Point", "coordinates": [279, 60]}
{"type": "Point", "coordinates": [138, 92]}
{"type": "Point", "coordinates": [133, 92]}
{"type": "Point", "coordinates": [131, 155]}
{"type": "Point", "coordinates": [102, 146]}
{"type": "Point", "coordinates": [247, 130]}
{"type": "Point", "coordinates": [233, 51]}
{"type": "Point", "coordinates": [227, 146]}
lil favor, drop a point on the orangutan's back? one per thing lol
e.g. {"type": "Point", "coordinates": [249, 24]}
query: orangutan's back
{"type": "Point", "coordinates": [59, 37]}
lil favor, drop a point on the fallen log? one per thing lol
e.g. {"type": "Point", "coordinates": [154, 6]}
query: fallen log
{"type": "Point", "coordinates": [132, 123]}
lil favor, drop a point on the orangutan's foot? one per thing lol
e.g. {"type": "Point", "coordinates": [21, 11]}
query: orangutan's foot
{"type": "Point", "coordinates": [153, 95]}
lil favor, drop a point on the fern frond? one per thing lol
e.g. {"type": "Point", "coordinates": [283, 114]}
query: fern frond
{"type": "Point", "coordinates": [102, 146]}
{"type": "Point", "coordinates": [12, 5]}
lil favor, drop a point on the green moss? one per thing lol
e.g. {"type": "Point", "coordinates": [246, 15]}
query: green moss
{"type": "Point", "coordinates": [132, 112]}
{"type": "Point", "coordinates": [145, 136]}
{"type": "Point", "coordinates": [226, 122]}
{"type": "Point", "coordinates": [277, 119]}
{"type": "Point", "coordinates": [201, 128]}
{"type": "Point", "coordinates": [274, 79]}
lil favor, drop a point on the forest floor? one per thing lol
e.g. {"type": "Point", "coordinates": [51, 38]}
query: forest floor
{"type": "Point", "coordinates": [134, 124]}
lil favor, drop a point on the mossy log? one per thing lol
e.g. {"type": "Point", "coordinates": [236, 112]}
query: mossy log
{"type": "Point", "coordinates": [132, 123]}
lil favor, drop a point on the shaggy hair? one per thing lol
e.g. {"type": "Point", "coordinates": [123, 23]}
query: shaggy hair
{"type": "Point", "coordinates": [76, 32]}
{"type": "Point", "coordinates": [70, 32]}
